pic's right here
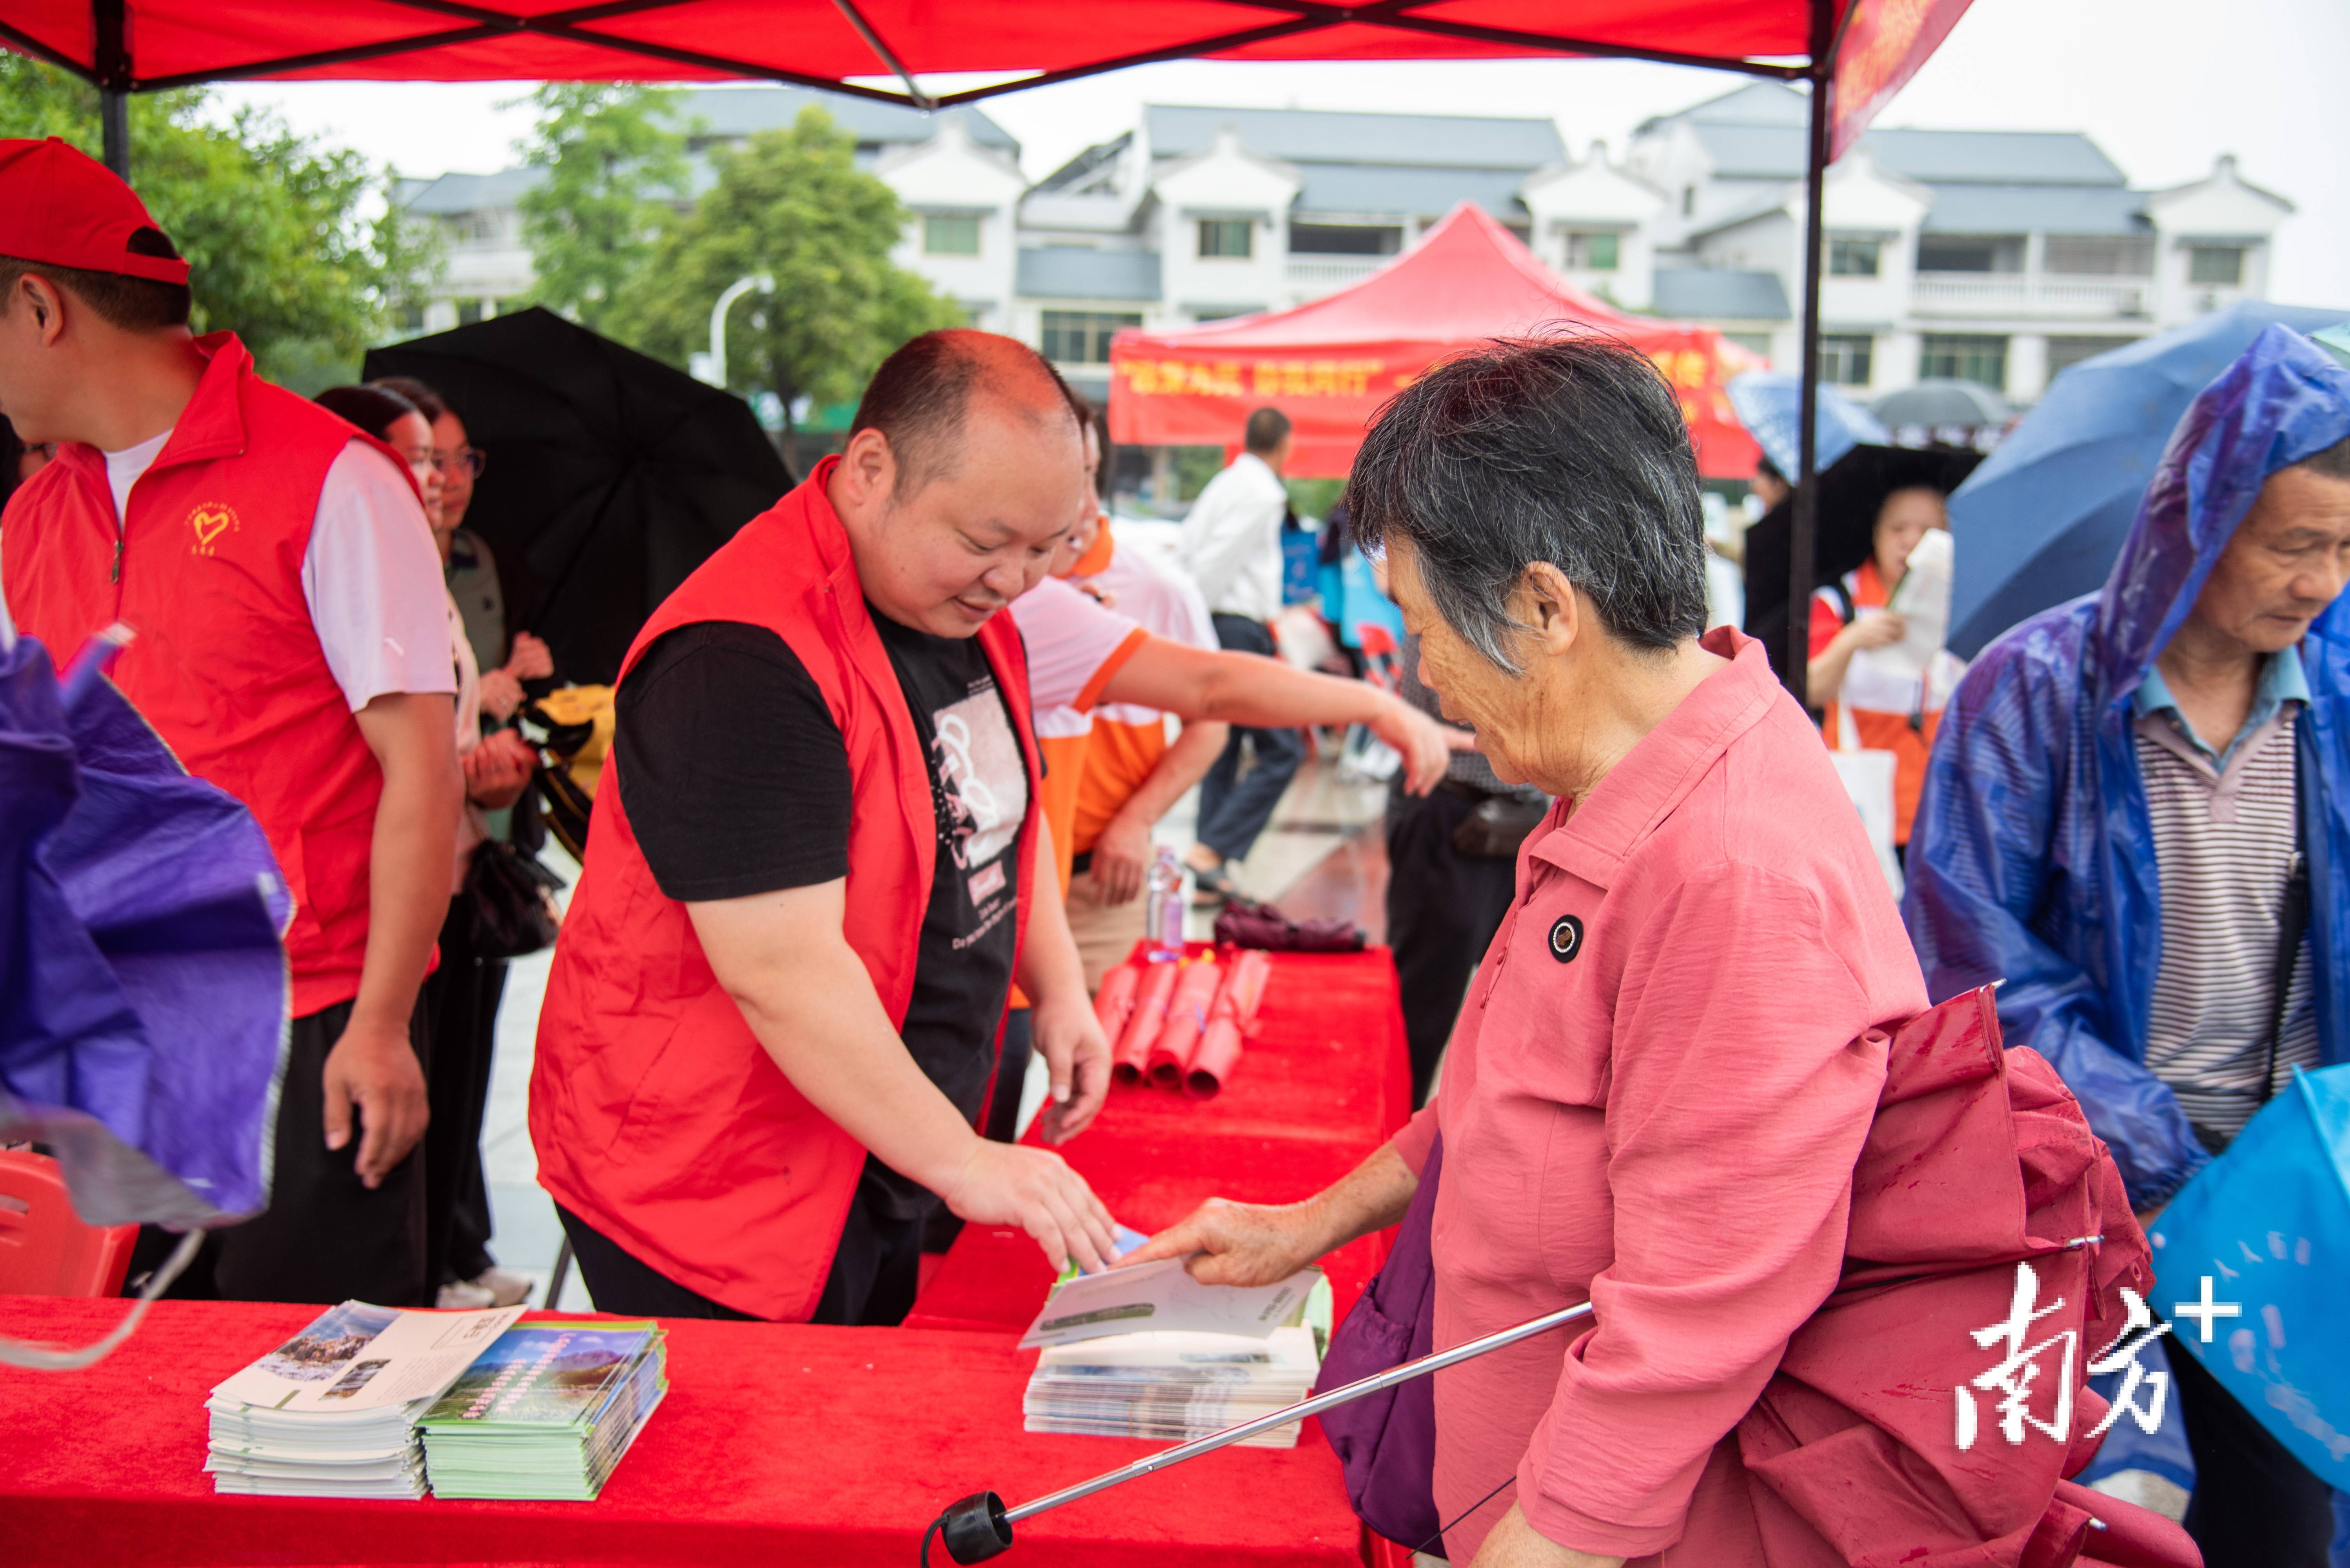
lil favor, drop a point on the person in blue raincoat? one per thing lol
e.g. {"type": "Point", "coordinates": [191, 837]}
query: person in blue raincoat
{"type": "Point", "coordinates": [2137, 815]}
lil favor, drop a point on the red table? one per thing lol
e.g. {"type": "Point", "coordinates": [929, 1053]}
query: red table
{"type": "Point", "coordinates": [778, 1444]}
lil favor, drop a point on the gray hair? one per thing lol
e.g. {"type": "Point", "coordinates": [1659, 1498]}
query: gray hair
{"type": "Point", "coordinates": [1563, 448]}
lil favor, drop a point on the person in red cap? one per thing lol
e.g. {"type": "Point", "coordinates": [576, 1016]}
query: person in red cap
{"type": "Point", "coordinates": [290, 645]}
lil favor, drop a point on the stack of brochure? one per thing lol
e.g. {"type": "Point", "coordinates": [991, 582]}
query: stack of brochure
{"type": "Point", "coordinates": [1149, 1352]}
{"type": "Point", "coordinates": [547, 1412]}
{"type": "Point", "coordinates": [332, 1412]}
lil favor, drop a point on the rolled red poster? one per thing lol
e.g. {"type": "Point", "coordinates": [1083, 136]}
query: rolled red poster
{"type": "Point", "coordinates": [1213, 1062]}
{"type": "Point", "coordinates": [1243, 987]}
{"type": "Point", "coordinates": [1187, 1015]}
{"type": "Point", "coordinates": [1125, 1062]}
{"type": "Point", "coordinates": [1114, 1004]}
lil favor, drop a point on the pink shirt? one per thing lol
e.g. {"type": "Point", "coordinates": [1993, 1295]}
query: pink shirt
{"type": "Point", "coordinates": [1654, 1099]}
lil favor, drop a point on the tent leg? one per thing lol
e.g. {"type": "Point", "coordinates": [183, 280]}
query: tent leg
{"type": "Point", "coordinates": [1803, 532]}
{"type": "Point", "coordinates": [111, 60]}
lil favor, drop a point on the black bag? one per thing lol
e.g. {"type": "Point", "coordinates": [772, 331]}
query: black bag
{"type": "Point", "coordinates": [512, 898]}
{"type": "Point", "coordinates": [1497, 827]}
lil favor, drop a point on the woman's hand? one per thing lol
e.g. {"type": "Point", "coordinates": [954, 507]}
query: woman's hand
{"type": "Point", "coordinates": [1515, 1544]}
{"type": "Point", "coordinates": [1876, 628]}
{"type": "Point", "coordinates": [529, 660]}
{"type": "Point", "coordinates": [497, 769]}
{"type": "Point", "coordinates": [501, 694]}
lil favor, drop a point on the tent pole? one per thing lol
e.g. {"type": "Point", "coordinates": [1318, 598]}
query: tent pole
{"type": "Point", "coordinates": [1803, 531]}
{"type": "Point", "coordinates": [112, 57]}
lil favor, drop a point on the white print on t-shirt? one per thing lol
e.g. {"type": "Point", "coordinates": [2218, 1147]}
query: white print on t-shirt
{"type": "Point", "coordinates": [987, 787]}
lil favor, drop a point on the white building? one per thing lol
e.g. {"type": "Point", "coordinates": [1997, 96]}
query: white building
{"type": "Point", "coordinates": [1995, 256]}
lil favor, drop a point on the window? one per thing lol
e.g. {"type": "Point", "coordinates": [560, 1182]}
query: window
{"type": "Point", "coordinates": [1852, 258]}
{"type": "Point", "coordinates": [2222, 265]}
{"type": "Point", "coordinates": [1593, 251]}
{"type": "Point", "coordinates": [2066, 352]}
{"type": "Point", "coordinates": [950, 234]}
{"type": "Point", "coordinates": [1227, 237]}
{"type": "Point", "coordinates": [469, 311]}
{"type": "Point", "coordinates": [2101, 256]}
{"type": "Point", "coordinates": [1964, 357]}
{"type": "Point", "coordinates": [1942, 253]}
{"type": "Point", "coordinates": [1343, 240]}
{"type": "Point", "coordinates": [1845, 360]}
{"type": "Point", "coordinates": [1688, 200]}
{"type": "Point", "coordinates": [1082, 336]}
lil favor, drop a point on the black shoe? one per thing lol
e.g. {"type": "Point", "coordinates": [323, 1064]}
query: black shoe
{"type": "Point", "coordinates": [1211, 888]}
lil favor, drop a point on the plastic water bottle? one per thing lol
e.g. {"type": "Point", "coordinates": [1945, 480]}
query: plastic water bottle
{"type": "Point", "coordinates": [1165, 908]}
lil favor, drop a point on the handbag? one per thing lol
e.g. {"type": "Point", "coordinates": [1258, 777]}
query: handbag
{"type": "Point", "coordinates": [1868, 777]}
{"type": "Point", "coordinates": [1497, 827]}
{"type": "Point", "coordinates": [1386, 1441]}
{"type": "Point", "coordinates": [512, 898]}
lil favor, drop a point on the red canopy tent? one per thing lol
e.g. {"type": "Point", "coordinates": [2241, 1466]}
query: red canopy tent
{"type": "Point", "coordinates": [1856, 54]}
{"type": "Point", "coordinates": [1330, 363]}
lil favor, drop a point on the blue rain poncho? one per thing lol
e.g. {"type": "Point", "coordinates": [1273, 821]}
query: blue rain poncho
{"type": "Point", "coordinates": [2031, 859]}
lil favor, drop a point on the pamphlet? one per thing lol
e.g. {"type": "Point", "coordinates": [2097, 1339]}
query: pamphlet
{"type": "Point", "coordinates": [1161, 1296]}
{"type": "Point", "coordinates": [356, 1356]}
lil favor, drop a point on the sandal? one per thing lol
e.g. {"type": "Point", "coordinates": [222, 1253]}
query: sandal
{"type": "Point", "coordinates": [1211, 888]}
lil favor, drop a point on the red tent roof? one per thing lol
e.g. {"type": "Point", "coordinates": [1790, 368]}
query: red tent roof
{"type": "Point", "coordinates": [168, 43]}
{"type": "Point", "coordinates": [1329, 365]}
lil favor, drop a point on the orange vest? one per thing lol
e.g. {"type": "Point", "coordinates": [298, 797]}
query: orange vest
{"type": "Point", "coordinates": [206, 568]}
{"type": "Point", "coordinates": [657, 1116]}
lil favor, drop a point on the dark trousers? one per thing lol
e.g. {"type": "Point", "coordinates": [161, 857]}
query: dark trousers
{"type": "Point", "coordinates": [2254, 1505]}
{"type": "Point", "coordinates": [875, 1272]}
{"type": "Point", "coordinates": [460, 1000]}
{"type": "Point", "coordinates": [1234, 807]}
{"type": "Point", "coordinates": [325, 1236]}
{"type": "Point", "coordinates": [1443, 907]}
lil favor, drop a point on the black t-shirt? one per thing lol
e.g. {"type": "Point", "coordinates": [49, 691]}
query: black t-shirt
{"type": "Point", "coordinates": [737, 782]}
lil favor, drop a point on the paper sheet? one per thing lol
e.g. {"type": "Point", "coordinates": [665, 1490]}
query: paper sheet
{"type": "Point", "coordinates": [1160, 1295]}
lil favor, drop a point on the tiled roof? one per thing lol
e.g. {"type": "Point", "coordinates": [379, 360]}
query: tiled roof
{"type": "Point", "coordinates": [1374, 191]}
{"type": "Point", "coordinates": [2037, 209]}
{"type": "Point", "coordinates": [1076, 272]}
{"type": "Point", "coordinates": [1709, 294]}
{"type": "Point", "coordinates": [746, 110]}
{"type": "Point", "coordinates": [1317, 135]}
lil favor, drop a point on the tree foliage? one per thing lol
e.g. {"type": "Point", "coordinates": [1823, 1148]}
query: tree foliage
{"type": "Point", "coordinates": [615, 166]}
{"type": "Point", "coordinates": [792, 204]}
{"type": "Point", "coordinates": [280, 247]}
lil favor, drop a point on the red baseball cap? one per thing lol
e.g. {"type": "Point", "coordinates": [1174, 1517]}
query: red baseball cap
{"type": "Point", "coordinates": [59, 205]}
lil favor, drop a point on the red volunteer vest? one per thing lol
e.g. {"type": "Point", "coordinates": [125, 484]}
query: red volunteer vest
{"type": "Point", "coordinates": [657, 1116]}
{"type": "Point", "coordinates": [206, 568]}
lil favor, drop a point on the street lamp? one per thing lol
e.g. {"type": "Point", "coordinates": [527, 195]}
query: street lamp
{"type": "Point", "coordinates": [711, 367]}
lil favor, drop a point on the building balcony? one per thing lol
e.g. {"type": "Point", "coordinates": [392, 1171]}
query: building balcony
{"type": "Point", "coordinates": [1323, 274]}
{"type": "Point", "coordinates": [2034, 295]}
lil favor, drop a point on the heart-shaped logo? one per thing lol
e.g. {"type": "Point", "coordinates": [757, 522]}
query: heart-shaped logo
{"type": "Point", "coordinates": [209, 522]}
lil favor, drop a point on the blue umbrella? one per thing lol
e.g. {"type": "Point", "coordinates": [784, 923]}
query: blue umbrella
{"type": "Point", "coordinates": [2251, 1253]}
{"type": "Point", "coordinates": [1770, 403]}
{"type": "Point", "coordinates": [2042, 519]}
{"type": "Point", "coordinates": [143, 989]}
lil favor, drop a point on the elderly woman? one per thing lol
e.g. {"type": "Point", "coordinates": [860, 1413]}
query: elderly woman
{"type": "Point", "coordinates": [1658, 1083]}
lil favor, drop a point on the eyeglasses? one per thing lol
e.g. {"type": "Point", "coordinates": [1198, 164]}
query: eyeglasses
{"type": "Point", "coordinates": [473, 459]}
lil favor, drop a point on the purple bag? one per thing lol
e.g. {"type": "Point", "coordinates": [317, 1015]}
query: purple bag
{"type": "Point", "coordinates": [1386, 1440]}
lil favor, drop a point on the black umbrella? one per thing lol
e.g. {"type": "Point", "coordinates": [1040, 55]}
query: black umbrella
{"type": "Point", "coordinates": [1851, 495]}
{"type": "Point", "coordinates": [612, 476]}
{"type": "Point", "coordinates": [1939, 401]}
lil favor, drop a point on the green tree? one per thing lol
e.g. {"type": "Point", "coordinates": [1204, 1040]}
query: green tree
{"type": "Point", "coordinates": [272, 224]}
{"type": "Point", "coordinates": [792, 204]}
{"type": "Point", "coordinates": [615, 166]}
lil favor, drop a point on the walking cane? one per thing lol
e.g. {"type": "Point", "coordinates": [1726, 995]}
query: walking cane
{"type": "Point", "coordinates": [979, 1527]}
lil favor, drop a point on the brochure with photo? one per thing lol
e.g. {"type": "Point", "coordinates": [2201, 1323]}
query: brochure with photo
{"type": "Point", "coordinates": [1161, 1296]}
{"type": "Point", "coordinates": [360, 1357]}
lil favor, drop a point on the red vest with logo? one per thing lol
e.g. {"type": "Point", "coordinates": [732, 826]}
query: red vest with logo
{"type": "Point", "coordinates": [206, 568]}
{"type": "Point", "coordinates": [657, 1116]}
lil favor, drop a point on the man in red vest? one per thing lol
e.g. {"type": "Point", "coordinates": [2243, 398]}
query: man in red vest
{"type": "Point", "coordinates": [291, 645]}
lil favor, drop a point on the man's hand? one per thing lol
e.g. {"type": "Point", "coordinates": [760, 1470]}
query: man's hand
{"type": "Point", "coordinates": [1240, 1243]}
{"type": "Point", "coordinates": [1076, 1057]}
{"type": "Point", "coordinates": [1005, 1184]}
{"type": "Point", "coordinates": [529, 660]}
{"type": "Point", "coordinates": [373, 1069]}
{"type": "Point", "coordinates": [1423, 743]}
{"type": "Point", "coordinates": [497, 769]}
{"type": "Point", "coordinates": [1121, 859]}
{"type": "Point", "coordinates": [1515, 1544]}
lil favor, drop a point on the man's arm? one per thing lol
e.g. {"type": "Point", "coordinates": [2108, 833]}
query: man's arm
{"type": "Point", "coordinates": [810, 1000]}
{"type": "Point", "coordinates": [1061, 1016]}
{"type": "Point", "coordinates": [1122, 853]}
{"type": "Point", "coordinates": [373, 1068]}
{"type": "Point", "coordinates": [1218, 537]}
{"type": "Point", "coordinates": [1244, 689]}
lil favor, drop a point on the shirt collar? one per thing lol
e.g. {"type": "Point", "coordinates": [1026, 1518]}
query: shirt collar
{"type": "Point", "coordinates": [2283, 680]}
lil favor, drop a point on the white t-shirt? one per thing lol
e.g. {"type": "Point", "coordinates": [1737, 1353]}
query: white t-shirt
{"type": "Point", "coordinates": [1232, 540]}
{"type": "Point", "coordinates": [370, 576]}
{"type": "Point", "coordinates": [1075, 646]}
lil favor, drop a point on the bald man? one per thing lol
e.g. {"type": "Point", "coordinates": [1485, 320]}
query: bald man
{"type": "Point", "coordinates": [817, 869]}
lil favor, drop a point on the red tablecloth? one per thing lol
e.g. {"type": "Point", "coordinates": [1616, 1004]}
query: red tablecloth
{"type": "Point", "coordinates": [778, 1444]}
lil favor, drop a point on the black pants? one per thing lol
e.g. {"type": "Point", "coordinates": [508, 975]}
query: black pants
{"type": "Point", "coordinates": [1234, 807]}
{"type": "Point", "coordinates": [875, 1272]}
{"type": "Point", "coordinates": [325, 1236]}
{"type": "Point", "coordinates": [460, 1000]}
{"type": "Point", "coordinates": [2254, 1505]}
{"type": "Point", "coordinates": [1443, 908]}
